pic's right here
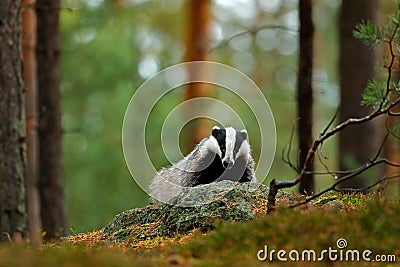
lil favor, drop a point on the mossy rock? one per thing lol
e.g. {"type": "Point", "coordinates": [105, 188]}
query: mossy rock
{"type": "Point", "coordinates": [226, 201]}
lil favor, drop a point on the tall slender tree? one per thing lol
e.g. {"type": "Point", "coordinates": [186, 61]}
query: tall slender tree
{"type": "Point", "coordinates": [304, 91]}
{"type": "Point", "coordinates": [50, 129]}
{"type": "Point", "coordinates": [197, 46]}
{"type": "Point", "coordinates": [12, 126]}
{"type": "Point", "coordinates": [29, 74]}
{"type": "Point", "coordinates": [356, 144]}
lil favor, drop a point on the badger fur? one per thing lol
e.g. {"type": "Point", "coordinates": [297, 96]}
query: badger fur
{"type": "Point", "coordinates": [224, 155]}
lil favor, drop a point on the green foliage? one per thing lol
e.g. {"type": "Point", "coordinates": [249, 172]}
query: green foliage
{"type": "Point", "coordinates": [373, 35]}
{"type": "Point", "coordinates": [374, 93]}
{"type": "Point", "coordinates": [380, 94]}
{"type": "Point", "coordinates": [369, 34]}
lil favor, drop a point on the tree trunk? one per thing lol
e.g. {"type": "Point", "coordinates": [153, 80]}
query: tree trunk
{"type": "Point", "coordinates": [29, 73]}
{"type": "Point", "coordinates": [304, 91]}
{"type": "Point", "coordinates": [197, 46]}
{"type": "Point", "coordinates": [50, 130]}
{"type": "Point", "coordinates": [356, 144]}
{"type": "Point", "coordinates": [12, 126]}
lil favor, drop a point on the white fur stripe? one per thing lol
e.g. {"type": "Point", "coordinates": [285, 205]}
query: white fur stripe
{"type": "Point", "coordinates": [212, 145]}
{"type": "Point", "coordinates": [230, 142]}
{"type": "Point", "coordinates": [244, 149]}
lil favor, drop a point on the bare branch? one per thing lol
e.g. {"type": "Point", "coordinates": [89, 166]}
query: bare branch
{"type": "Point", "coordinates": [394, 114]}
{"type": "Point", "coordinates": [287, 159]}
{"type": "Point", "coordinates": [359, 171]}
{"type": "Point", "coordinates": [333, 188]}
{"type": "Point", "coordinates": [392, 60]}
{"type": "Point", "coordinates": [380, 148]}
{"type": "Point", "coordinates": [311, 153]}
{"type": "Point", "coordinates": [383, 179]}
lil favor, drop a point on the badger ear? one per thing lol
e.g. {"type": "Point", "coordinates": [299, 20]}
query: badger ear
{"type": "Point", "coordinates": [215, 131]}
{"type": "Point", "coordinates": [244, 134]}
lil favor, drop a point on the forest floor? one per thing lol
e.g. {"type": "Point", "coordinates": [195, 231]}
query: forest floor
{"type": "Point", "coordinates": [337, 227]}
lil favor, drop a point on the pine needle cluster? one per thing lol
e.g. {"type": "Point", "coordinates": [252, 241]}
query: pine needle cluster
{"type": "Point", "coordinates": [383, 93]}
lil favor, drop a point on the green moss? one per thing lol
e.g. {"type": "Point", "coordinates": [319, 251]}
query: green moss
{"type": "Point", "coordinates": [325, 199]}
{"type": "Point", "coordinates": [234, 205]}
{"type": "Point", "coordinates": [346, 199]}
{"type": "Point", "coordinates": [374, 227]}
{"type": "Point", "coordinates": [353, 199]}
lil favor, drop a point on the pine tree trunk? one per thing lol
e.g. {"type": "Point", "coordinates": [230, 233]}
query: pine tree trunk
{"type": "Point", "coordinates": [356, 144]}
{"type": "Point", "coordinates": [50, 130]}
{"type": "Point", "coordinates": [12, 126]}
{"type": "Point", "coordinates": [304, 90]}
{"type": "Point", "coordinates": [197, 46]}
{"type": "Point", "coordinates": [29, 74]}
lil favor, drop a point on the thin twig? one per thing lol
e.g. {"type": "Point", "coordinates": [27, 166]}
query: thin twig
{"type": "Point", "coordinates": [331, 121]}
{"type": "Point", "coordinates": [324, 165]}
{"type": "Point", "coordinates": [287, 160]}
{"type": "Point", "coordinates": [380, 147]}
{"type": "Point", "coordinates": [327, 128]}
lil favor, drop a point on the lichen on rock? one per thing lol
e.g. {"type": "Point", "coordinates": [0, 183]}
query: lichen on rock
{"type": "Point", "coordinates": [222, 201]}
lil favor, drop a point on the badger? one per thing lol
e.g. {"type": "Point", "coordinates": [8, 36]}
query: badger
{"type": "Point", "coordinates": [224, 155]}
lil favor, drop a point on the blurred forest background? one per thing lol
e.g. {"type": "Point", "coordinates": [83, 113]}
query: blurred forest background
{"type": "Point", "coordinates": [63, 99]}
{"type": "Point", "coordinates": [110, 47]}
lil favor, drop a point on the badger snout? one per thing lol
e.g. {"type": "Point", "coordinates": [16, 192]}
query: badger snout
{"type": "Point", "coordinates": [227, 164]}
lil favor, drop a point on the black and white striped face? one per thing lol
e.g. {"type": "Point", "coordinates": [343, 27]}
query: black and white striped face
{"type": "Point", "coordinates": [232, 144]}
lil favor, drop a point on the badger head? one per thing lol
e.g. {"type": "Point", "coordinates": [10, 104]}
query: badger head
{"type": "Point", "coordinates": [230, 145]}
